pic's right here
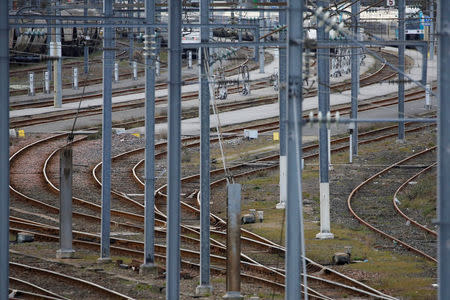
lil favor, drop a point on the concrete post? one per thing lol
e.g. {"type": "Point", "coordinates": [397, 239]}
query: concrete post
{"type": "Point", "coordinates": [234, 243]}
{"type": "Point", "coordinates": [428, 97]}
{"type": "Point", "coordinates": [65, 204]}
{"type": "Point", "coordinates": [282, 107]}
{"type": "Point", "coordinates": [46, 82]}
{"type": "Point", "coordinates": [443, 206]}
{"type": "Point", "coordinates": [135, 73]}
{"type": "Point", "coordinates": [294, 217]}
{"type": "Point", "coordinates": [106, 136]}
{"type": "Point", "coordinates": [401, 66]}
{"type": "Point", "coordinates": [204, 288]}
{"type": "Point", "coordinates": [116, 72]}
{"type": "Point", "coordinates": [30, 84]}
{"type": "Point", "coordinates": [75, 79]}
{"type": "Point", "coordinates": [355, 68]}
{"type": "Point", "coordinates": [149, 213]}
{"type": "Point", "coordinates": [323, 59]}
{"type": "Point", "coordinates": [174, 156]}
{"type": "Point", "coordinates": [158, 66]}
{"type": "Point", "coordinates": [4, 151]}
{"type": "Point", "coordinates": [189, 59]}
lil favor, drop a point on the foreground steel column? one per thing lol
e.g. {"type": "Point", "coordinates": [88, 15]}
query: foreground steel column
{"type": "Point", "coordinates": [204, 287]}
{"type": "Point", "coordinates": [4, 151]}
{"type": "Point", "coordinates": [106, 135]}
{"type": "Point", "coordinates": [86, 47]}
{"type": "Point", "coordinates": [282, 107]}
{"type": "Point", "coordinates": [149, 214]}
{"type": "Point", "coordinates": [401, 66]}
{"type": "Point", "coordinates": [233, 242]}
{"type": "Point", "coordinates": [65, 204]}
{"type": "Point", "coordinates": [57, 74]}
{"type": "Point", "coordinates": [173, 156]}
{"type": "Point", "coordinates": [323, 60]}
{"type": "Point", "coordinates": [443, 207]}
{"type": "Point", "coordinates": [294, 219]}
{"type": "Point", "coordinates": [355, 77]}
{"type": "Point", "coordinates": [432, 30]}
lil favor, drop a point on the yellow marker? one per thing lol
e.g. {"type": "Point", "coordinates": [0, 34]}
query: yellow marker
{"type": "Point", "coordinates": [21, 133]}
{"type": "Point", "coordinates": [276, 136]}
{"type": "Point", "coordinates": [136, 134]}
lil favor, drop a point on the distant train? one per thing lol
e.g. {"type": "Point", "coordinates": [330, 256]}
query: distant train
{"type": "Point", "coordinates": [414, 25]}
{"type": "Point", "coordinates": [27, 44]}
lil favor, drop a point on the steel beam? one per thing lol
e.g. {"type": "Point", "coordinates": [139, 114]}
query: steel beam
{"type": "Point", "coordinates": [204, 287]}
{"type": "Point", "coordinates": [443, 206]}
{"type": "Point", "coordinates": [355, 77]}
{"type": "Point", "coordinates": [108, 61]}
{"type": "Point", "coordinates": [57, 74]}
{"type": "Point", "coordinates": [294, 218]}
{"type": "Point", "coordinates": [323, 66]}
{"type": "Point", "coordinates": [401, 66]}
{"type": "Point", "coordinates": [86, 47]}
{"type": "Point", "coordinates": [282, 108]}
{"type": "Point", "coordinates": [174, 156]}
{"type": "Point", "coordinates": [4, 151]}
{"type": "Point", "coordinates": [149, 213]}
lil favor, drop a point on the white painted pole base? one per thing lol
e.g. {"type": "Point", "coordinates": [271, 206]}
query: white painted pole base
{"type": "Point", "coordinates": [325, 232]}
{"type": "Point", "coordinates": [350, 149]}
{"type": "Point", "coordinates": [283, 183]}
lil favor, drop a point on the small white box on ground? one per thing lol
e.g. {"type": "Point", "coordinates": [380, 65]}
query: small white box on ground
{"type": "Point", "coordinates": [118, 130]}
{"type": "Point", "coordinates": [250, 134]}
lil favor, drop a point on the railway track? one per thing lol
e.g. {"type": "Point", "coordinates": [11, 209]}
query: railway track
{"type": "Point", "coordinates": [55, 236]}
{"type": "Point", "coordinates": [383, 73]}
{"type": "Point", "coordinates": [367, 202]}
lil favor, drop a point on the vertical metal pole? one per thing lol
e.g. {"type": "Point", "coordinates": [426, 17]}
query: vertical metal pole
{"type": "Point", "coordinates": [204, 286]}
{"type": "Point", "coordinates": [174, 157]}
{"type": "Point", "coordinates": [149, 214]}
{"type": "Point", "coordinates": [86, 47]}
{"type": "Point", "coordinates": [282, 64]}
{"type": "Point", "coordinates": [130, 33]}
{"type": "Point", "coordinates": [424, 65]}
{"type": "Point", "coordinates": [443, 153]}
{"type": "Point", "coordinates": [116, 72]}
{"type": "Point", "coordinates": [65, 204]}
{"type": "Point", "coordinates": [49, 38]}
{"type": "Point", "coordinates": [233, 242]}
{"type": "Point", "coordinates": [31, 84]}
{"type": "Point", "coordinates": [75, 78]}
{"type": "Point", "coordinates": [294, 219]}
{"type": "Point", "coordinates": [46, 82]}
{"type": "Point", "coordinates": [355, 77]}
{"type": "Point", "coordinates": [4, 151]}
{"type": "Point", "coordinates": [189, 59]}
{"type": "Point", "coordinates": [106, 135]}
{"type": "Point", "coordinates": [323, 76]}
{"type": "Point", "coordinates": [256, 23]}
{"type": "Point", "coordinates": [401, 66]}
{"type": "Point", "coordinates": [58, 65]}
{"type": "Point", "coordinates": [432, 30]}
{"type": "Point", "coordinates": [135, 73]}
{"type": "Point", "coordinates": [261, 32]}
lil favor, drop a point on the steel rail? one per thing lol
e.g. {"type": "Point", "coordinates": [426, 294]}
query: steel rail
{"type": "Point", "coordinates": [373, 228]}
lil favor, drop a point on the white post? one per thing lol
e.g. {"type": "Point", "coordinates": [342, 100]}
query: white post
{"type": "Point", "coordinates": [329, 149]}
{"type": "Point", "coordinates": [135, 75]}
{"type": "Point", "coordinates": [158, 66]}
{"type": "Point", "coordinates": [189, 59]}
{"type": "Point", "coordinates": [31, 83]}
{"type": "Point", "coordinates": [46, 82]}
{"type": "Point", "coordinates": [428, 97]}
{"type": "Point", "coordinates": [116, 72]}
{"type": "Point", "coordinates": [75, 78]}
{"type": "Point", "coordinates": [283, 183]}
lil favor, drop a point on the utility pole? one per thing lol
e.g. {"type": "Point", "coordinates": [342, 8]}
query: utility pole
{"type": "Point", "coordinates": [49, 38]}
{"type": "Point", "coordinates": [57, 76]}
{"type": "Point", "coordinates": [282, 64]}
{"type": "Point", "coordinates": [4, 151]}
{"type": "Point", "coordinates": [86, 47]}
{"type": "Point", "coordinates": [432, 30]}
{"type": "Point", "coordinates": [294, 218]}
{"type": "Point", "coordinates": [106, 136]}
{"type": "Point", "coordinates": [149, 213]}
{"type": "Point", "coordinates": [204, 288]}
{"type": "Point", "coordinates": [355, 77]}
{"type": "Point", "coordinates": [401, 66]}
{"type": "Point", "coordinates": [443, 155]}
{"type": "Point", "coordinates": [323, 61]}
{"type": "Point", "coordinates": [173, 155]}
